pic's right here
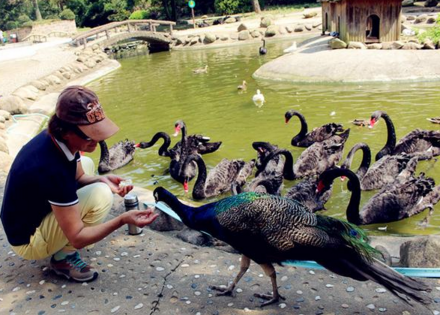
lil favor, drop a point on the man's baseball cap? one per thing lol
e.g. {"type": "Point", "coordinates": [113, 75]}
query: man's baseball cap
{"type": "Point", "coordinates": [78, 105]}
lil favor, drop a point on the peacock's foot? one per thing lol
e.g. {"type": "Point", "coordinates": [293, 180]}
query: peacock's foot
{"type": "Point", "coordinates": [222, 291]}
{"type": "Point", "coordinates": [271, 298]}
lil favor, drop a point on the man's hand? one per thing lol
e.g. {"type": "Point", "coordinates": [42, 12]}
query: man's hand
{"type": "Point", "coordinates": [140, 218]}
{"type": "Point", "coordinates": [113, 182]}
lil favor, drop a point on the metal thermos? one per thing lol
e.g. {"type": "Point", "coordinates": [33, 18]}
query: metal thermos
{"type": "Point", "coordinates": [131, 203]}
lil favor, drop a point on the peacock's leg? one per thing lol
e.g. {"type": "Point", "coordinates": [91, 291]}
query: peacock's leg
{"type": "Point", "coordinates": [244, 266]}
{"type": "Point", "coordinates": [269, 270]}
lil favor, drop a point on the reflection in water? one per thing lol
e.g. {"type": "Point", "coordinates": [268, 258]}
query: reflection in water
{"type": "Point", "coordinates": [149, 93]}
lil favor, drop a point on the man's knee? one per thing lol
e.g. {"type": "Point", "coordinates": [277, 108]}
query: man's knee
{"type": "Point", "coordinates": [96, 201]}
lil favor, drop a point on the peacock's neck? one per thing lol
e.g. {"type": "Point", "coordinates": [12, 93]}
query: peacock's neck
{"type": "Point", "coordinates": [391, 138]}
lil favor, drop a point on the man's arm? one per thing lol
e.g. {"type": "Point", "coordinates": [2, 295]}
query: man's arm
{"type": "Point", "coordinates": [79, 235]}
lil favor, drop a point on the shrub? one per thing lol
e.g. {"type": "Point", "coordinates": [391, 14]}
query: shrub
{"type": "Point", "coordinates": [23, 19]}
{"type": "Point", "coordinates": [432, 33]}
{"type": "Point", "coordinates": [232, 6]}
{"type": "Point", "coordinates": [11, 25]}
{"type": "Point", "coordinates": [139, 15]}
{"type": "Point", "coordinates": [28, 24]}
{"type": "Point", "coordinates": [67, 14]}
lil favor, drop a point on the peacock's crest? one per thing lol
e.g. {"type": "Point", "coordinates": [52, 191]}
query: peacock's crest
{"type": "Point", "coordinates": [238, 200]}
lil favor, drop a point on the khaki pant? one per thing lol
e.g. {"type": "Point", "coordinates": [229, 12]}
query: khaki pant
{"type": "Point", "coordinates": [95, 202]}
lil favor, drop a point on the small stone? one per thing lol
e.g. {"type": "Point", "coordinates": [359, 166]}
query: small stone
{"type": "Point", "coordinates": [371, 306]}
{"type": "Point", "coordinates": [30, 292]}
{"type": "Point", "coordinates": [311, 272]}
{"type": "Point", "coordinates": [435, 312]}
{"type": "Point", "coordinates": [350, 289]}
{"type": "Point", "coordinates": [230, 304]}
{"type": "Point", "coordinates": [84, 284]}
{"type": "Point", "coordinates": [282, 305]}
{"type": "Point", "coordinates": [124, 254]}
{"type": "Point", "coordinates": [317, 298]}
{"type": "Point", "coordinates": [284, 278]}
{"type": "Point", "coordinates": [15, 289]}
{"type": "Point", "coordinates": [109, 265]}
{"type": "Point", "coordinates": [197, 293]}
{"type": "Point", "coordinates": [42, 282]}
{"type": "Point", "coordinates": [232, 267]}
{"type": "Point", "coordinates": [116, 259]}
{"type": "Point", "coordinates": [380, 290]}
{"type": "Point", "coordinates": [299, 292]}
{"type": "Point", "coordinates": [382, 309]}
{"type": "Point", "coordinates": [437, 288]}
{"type": "Point", "coordinates": [344, 305]}
{"type": "Point", "coordinates": [169, 286]}
{"type": "Point", "coordinates": [140, 305]}
{"type": "Point", "coordinates": [64, 303]}
{"type": "Point", "coordinates": [184, 265]}
{"type": "Point", "coordinates": [197, 276]}
{"type": "Point", "coordinates": [115, 309]}
{"type": "Point", "coordinates": [247, 309]}
{"type": "Point", "coordinates": [329, 285]}
{"type": "Point", "coordinates": [239, 290]}
{"type": "Point", "coordinates": [98, 253]}
{"type": "Point", "coordinates": [160, 268]}
{"type": "Point", "coordinates": [188, 302]}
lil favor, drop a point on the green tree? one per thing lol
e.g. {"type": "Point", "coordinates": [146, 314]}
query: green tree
{"type": "Point", "coordinates": [37, 10]}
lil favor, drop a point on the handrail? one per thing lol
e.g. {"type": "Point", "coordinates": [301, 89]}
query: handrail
{"type": "Point", "coordinates": [40, 36]}
{"type": "Point", "coordinates": [112, 25]}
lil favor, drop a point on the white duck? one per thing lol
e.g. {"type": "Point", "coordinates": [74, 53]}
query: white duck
{"type": "Point", "coordinates": [201, 70]}
{"type": "Point", "coordinates": [258, 99]}
{"type": "Point", "coordinates": [291, 48]}
{"type": "Point", "coordinates": [243, 86]}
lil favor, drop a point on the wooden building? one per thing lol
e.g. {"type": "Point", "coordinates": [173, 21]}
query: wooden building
{"type": "Point", "coordinates": [366, 21]}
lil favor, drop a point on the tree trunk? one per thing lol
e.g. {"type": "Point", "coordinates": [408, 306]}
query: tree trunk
{"type": "Point", "coordinates": [173, 11]}
{"type": "Point", "coordinates": [37, 11]}
{"type": "Point", "coordinates": [256, 6]}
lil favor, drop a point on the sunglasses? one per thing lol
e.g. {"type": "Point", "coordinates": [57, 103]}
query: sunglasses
{"type": "Point", "coordinates": [81, 134]}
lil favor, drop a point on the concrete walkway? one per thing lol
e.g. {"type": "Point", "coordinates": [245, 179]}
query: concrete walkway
{"type": "Point", "coordinates": [315, 62]}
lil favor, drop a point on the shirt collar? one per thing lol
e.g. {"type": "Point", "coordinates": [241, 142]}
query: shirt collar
{"type": "Point", "coordinates": [65, 150]}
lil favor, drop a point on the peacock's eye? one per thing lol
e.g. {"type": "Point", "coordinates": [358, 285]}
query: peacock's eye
{"type": "Point", "coordinates": [353, 233]}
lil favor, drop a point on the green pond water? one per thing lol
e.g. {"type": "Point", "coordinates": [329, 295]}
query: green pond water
{"type": "Point", "coordinates": [149, 93]}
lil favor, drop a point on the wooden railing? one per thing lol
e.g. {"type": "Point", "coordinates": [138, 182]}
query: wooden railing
{"type": "Point", "coordinates": [126, 26]}
{"type": "Point", "coordinates": [35, 38]}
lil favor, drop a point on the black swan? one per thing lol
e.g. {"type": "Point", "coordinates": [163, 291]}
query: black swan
{"type": "Point", "coordinates": [270, 185]}
{"type": "Point", "coordinates": [119, 155]}
{"type": "Point", "coordinates": [407, 196]}
{"type": "Point", "coordinates": [194, 143]}
{"type": "Point", "coordinates": [219, 179]}
{"type": "Point", "coordinates": [425, 143]}
{"type": "Point", "coordinates": [263, 49]}
{"type": "Point", "coordinates": [381, 173]}
{"type": "Point", "coordinates": [270, 229]}
{"type": "Point", "coordinates": [318, 134]}
{"type": "Point", "coordinates": [265, 166]}
{"type": "Point", "coordinates": [314, 160]}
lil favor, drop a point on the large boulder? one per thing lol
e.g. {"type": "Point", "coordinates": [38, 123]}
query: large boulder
{"type": "Point", "coordinates": [309, 15]}
{"type": "Point", "coordinates": [27, 92]}
{"type": "Point", "coordinates": [244, 35]}
{"type": "Point", "coordinates": [430, 3]}
{"type": "Point", "coordinates": [265, 21]}
{"type": "Point", "coordinates": [13, 104]}
{"type": "Point", "coordinates": [272, 30]}
{"type": "Point", "coordinates": [356, 45]}
{"type": "Point", "coordinates": [209, 38]}
{"type": "Point", "coordinates": [422, 252]}
{"type": "Point", "coordinates": [336, 43]}
{"type": "Point", "coordinates": [407, 3]}
{"type": "Point", "coordinates": [421, 18]}
{"type": "Point", "coordinates": [241, 27]}
{"type": "Point", "coordinates": [5, 114]}
{"type": "Point", "coordinates": [411, 46]}
{"type": "Point", "coordinates": [5, 162]}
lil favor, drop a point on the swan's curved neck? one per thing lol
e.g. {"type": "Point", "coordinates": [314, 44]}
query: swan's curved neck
{"type": "Point", "coordinates": [391, 138]}
{"type": "Point", "coordinates": [355, 199]}
{"type": "Point", "coordinates": [288, 163]}
{"type": "Point", "coordinates": [163, 150]}
{"type": "Point", "coordinates": [304, 128]}
{"type": "Point", "coordinates": [199, 186]}
{"type": "Point", "coordinates": [105, 155]}
{"type": "Point", "coordinates": [366, 159]}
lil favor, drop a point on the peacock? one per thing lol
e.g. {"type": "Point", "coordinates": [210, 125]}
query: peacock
{"type": "Point", "coordinates": [269, 230]}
